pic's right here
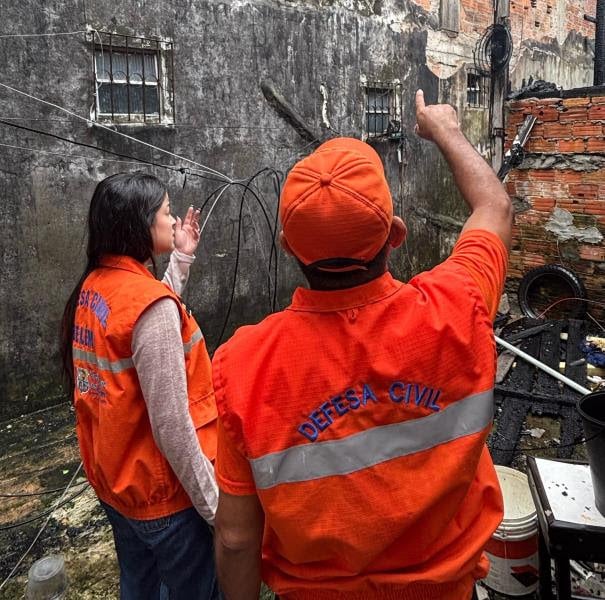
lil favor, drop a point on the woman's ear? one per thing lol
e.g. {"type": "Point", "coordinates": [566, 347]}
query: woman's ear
{"type": "Point", "coordinates": [398, 232]}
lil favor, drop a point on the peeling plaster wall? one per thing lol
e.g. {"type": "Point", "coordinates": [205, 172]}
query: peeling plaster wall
{"type": "Point", "coordinates": [222, 52]}
{"type": "Point", "coordinates": [568, 64]}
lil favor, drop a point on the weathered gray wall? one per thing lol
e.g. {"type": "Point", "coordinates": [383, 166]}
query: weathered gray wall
{"type": "Point", "coordinates": [222, 51]}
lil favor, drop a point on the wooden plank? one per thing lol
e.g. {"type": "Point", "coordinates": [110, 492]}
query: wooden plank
{"type": "Point", "coordinates": [546, 385]}
{"type": "Point", "coordinates": [507, 433]}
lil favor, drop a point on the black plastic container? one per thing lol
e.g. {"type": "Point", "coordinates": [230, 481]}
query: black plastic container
{"type": "Point", "coordinates": [592, 410]}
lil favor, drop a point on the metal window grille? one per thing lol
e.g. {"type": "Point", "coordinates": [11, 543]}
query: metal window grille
{"type": "Point", "coordinates": [133, 79]}
{"type": "Point", "coordinates": [383, 109]}
{"type": "Point", "coordinates": [476, 90]}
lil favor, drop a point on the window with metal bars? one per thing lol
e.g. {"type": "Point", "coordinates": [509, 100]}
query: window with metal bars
{"type": "Point", "coordinates": [133, 79]}
{"type": "Point", "coordinates": [476, 90]}
{"type": "Point", "coordinates": [382, 110]}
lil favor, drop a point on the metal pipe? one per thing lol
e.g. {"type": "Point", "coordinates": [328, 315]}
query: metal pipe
{"type": "Point", "coordinates": [534, 361]}
{"type": "Point", "coordinates": [599, 45]}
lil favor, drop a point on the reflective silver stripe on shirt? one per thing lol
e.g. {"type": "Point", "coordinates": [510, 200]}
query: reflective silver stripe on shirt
{"type": "Point", "coordinates": [195, 338]}
{"type": "Point", "coordinates": [373, 446]}
{"type": "Point", "coordinates": [115, 366]}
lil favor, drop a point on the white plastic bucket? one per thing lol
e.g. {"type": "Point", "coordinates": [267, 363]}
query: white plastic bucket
{"type": "Point", "coordinates": [513, 548]}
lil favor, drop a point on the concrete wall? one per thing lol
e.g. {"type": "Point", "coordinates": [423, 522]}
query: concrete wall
{"type": "Point", "coordinates": [222, 51]}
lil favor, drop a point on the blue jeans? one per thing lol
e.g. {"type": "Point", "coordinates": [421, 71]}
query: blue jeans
{"type": "Point", "coordinates": [171, 558]}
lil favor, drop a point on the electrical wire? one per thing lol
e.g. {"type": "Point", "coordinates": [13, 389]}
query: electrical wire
{"type": "Point", "coordinates": [58, 504]}
{"type": "Point", "coordinates": [202, 167]}
{"type": "Point", "coordinates": [235, 269]}
{"type": "Point", "coordinates": [105, 150]}
{"type": "Point", "coordinates": [71, 156]}
{"type": "Point", "coordinates": [220, 190]}
{"type": "Point", "coordinates": [34, 35]}
{"type": "Point", "coordinates": [541, 315]}
{"type": "Point", "coordinates": [31, 494]}
{"type": "Point", "coordinates": [46, 512]}
{"type": "Point", "coordinates": [179, 125]}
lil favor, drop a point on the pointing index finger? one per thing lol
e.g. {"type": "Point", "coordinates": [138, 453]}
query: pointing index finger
{"type": "Point", "coordinates": [420, 105]}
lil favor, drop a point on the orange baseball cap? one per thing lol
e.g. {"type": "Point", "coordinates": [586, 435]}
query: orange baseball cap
{"type": "Point", "coordinates": [336, 208]}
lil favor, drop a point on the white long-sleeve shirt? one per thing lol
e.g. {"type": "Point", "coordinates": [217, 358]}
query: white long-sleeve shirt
{"type": "Point", "coordinates": [157, 352]}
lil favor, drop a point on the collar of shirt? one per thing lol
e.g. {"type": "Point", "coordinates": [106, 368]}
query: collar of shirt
{"type": "Point", "coordinates": [125, 263]}
{"type": "Point", "coordinates": [324, 301]}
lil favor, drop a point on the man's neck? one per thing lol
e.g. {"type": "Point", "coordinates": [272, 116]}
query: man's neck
{"type": "Point", "coordinates": [341, 281]}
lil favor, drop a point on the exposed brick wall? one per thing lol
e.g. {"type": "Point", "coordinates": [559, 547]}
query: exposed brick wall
{"type": "Point", "coordinates": [564, 167]}
{"type": "Point", "coordinates": [542, 19]}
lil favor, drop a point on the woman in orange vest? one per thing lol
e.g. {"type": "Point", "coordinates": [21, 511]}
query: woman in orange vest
{"type": "Point", "coordinates": [146, 416]}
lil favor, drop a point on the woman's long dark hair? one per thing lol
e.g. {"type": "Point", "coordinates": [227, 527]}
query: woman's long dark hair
{"type": "Point", "coordinates": [120, 217]}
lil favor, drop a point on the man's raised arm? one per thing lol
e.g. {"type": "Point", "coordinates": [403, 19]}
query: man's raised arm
{"type": "Point", "coordinates": [490, 205]}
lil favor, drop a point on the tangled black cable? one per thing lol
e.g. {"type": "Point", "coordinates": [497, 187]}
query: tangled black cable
{"type": "Point", "coordinates": [46, 512]}
{"type": "Point", "coordinates": [493, 50]}
{"type": "Point", "coordinates": [276, 175]}
{"type": "Point", "coordinates": [31, 494]}
{"type": "Point", "coordinates": [247, 187]}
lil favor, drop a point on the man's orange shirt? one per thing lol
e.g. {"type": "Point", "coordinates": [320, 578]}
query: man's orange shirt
{"type": "Point", "coordinates": [359, 418]}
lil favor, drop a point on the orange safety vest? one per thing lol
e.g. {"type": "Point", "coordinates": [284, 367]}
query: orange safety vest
{"type": "Point", "coordinates": [362, 415]}
{"type": "Point", "coordinates": [121, 459]}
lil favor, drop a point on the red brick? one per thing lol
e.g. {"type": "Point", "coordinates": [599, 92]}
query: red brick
{"type": "Point", "coordinates": [536, 247]}
{"type": "Point", "coordinates": [547, 102]}
{"type": "Point", "coordinates": [587, 129]}
{"type": "Point", "coordinates": [520, 104]}
{"type": "Point", "coordinates": [585, 191]}
{"type": "Point", "coordinates": [595, 177]}
{"type": "Point", "coordinates": [574, 115]}
{"type": "Point", "coordinates": [572, 205]}
{"type": "Point", "coordinates": [552, 190]}
{"type": "Point", "coordinates": [529, 217]}
{"type": "Point", "coordinates": [576, 102]}
{"type": "Point", "coordinates": [595, 145]}
{"type": "Point", "coordinates": [543, 204]}
{"type": "Point", "coordinates": [595, 253]}
{"type": "Point", "coordinates": [541, 145]}
{"type": "Point", "coordinates": [598, 99]}
{"type": "Point", "coordinates": [597, 203]}
{"type": "Point", "coordinates": [597, 113]}
{"type": "Point", "coordinates": [569, 176]}
{"type": "Point", "coordinates": [534, 260]}
{"type": "Point", "coordinates": [538, 130]}
{"type": "Point", "coordinates": [542, 175]}
{"type": "Point", "coordinates": [571, 145]}
{"type": "Point", "coordinates": [546, 114]}
{"type": "Point", "coordinates": [524, 188]}
{"type": "Point", "coordinates": [556, 130]}
{"type": "Point", "coordinates": [514, 118]}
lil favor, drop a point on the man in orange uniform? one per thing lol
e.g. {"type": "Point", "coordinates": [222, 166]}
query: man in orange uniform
{"type": "Point", "coordinates": [352, 425]}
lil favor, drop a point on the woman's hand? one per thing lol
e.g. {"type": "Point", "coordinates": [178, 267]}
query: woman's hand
{"type": "Point", "coordinates": [187, 232]}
